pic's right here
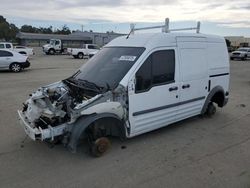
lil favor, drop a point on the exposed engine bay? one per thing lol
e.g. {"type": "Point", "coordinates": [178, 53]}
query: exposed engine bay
{"type": "Point", "coordinates": [62, 103]}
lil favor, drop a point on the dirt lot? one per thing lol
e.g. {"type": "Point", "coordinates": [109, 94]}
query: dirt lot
{"type": "Point", "coordinates": [198, 152]}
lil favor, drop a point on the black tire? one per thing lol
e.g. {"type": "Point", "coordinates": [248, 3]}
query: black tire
{"type": "Point", "coordinates": [211, 109]}
{"type": "Point", "coordinates": [80, 55]}
{"type": "Point", "coordinates": [52, 52]}
{"type": "Point", "coordinates": [15, 67]}
{"type": "Point", "coordinates": [75, 56]}
{"type": "Point", "coordinates": [100, 146]}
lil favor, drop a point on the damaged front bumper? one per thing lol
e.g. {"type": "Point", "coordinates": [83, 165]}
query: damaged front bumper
{"type": "Point", "coordinates": [38, 133]}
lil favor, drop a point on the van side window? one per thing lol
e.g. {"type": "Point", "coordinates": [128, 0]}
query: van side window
{"type": "Point", "coordinates": [158, 69]}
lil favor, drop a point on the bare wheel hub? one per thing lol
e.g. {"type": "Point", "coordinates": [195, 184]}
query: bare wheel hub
{"type": "Point", "coordinates": [100, 146]}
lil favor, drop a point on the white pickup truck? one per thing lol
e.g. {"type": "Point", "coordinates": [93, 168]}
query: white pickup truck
{"type": "Point", "coordinates": [20, 49]}
{"type": "Point", "coordinates": [88, 50]}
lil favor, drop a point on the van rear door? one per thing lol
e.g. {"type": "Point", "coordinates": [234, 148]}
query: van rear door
{"type": "Point", "coordinates": [193, 75]}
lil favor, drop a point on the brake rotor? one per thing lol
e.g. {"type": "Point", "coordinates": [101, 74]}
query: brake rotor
{"type": "Point", "coordinates": [100, 146]}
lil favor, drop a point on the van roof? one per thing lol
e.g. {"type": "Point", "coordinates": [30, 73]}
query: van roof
{"type": "Point", "coordinates": [160, 39]}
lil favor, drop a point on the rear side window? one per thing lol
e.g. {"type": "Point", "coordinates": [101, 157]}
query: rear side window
{"type": "Point", "coordinates": [158, 69]}
{"type": "Point", "coordinates": [5, 53]}
{"type": "Point", "coordinates": [93, 47]}
{"type": "Point", "coordinates": [1, 45]}
{"type": "Point", "coordinates": [8, 45]}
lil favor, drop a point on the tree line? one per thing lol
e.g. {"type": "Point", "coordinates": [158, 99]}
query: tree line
{"type": "Point", "coordinates": [8, 30]}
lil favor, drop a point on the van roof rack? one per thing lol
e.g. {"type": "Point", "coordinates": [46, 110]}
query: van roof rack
{"type": "Point", "coordinates": [165, 28]}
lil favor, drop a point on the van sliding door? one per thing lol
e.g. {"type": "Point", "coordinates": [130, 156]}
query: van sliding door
{"type": "Point", "coordinates": [193, 75]}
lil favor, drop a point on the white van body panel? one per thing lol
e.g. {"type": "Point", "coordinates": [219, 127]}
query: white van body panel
{"type": "Point", "coordinates": [194, 75]}
{"type": "Point", "coordinates": [201, 63]}
{"type": "Point", "coordinates": [143, 121]}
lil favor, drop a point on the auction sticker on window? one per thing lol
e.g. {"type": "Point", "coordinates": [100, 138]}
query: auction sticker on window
{"type": "Point", "coordinates": [127, 58]}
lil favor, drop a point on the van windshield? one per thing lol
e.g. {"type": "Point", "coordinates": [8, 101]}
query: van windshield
{"type": "Point", "coordinates": [108, 67]}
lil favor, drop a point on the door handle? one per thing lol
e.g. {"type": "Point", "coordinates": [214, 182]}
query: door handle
{"type": "Point", "coordinates": [173, 88]}
{"type": "Point", "coordinates": [185, 86]}
{"type": "Point", "coordinates": [7, 58]}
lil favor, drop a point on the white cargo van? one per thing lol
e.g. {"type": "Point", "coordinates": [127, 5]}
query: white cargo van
{"type": "Point", "coordinates": [135, 84]}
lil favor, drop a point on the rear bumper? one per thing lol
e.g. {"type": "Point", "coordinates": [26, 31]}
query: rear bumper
{"type": "Point", "coordinates": [25, 64]}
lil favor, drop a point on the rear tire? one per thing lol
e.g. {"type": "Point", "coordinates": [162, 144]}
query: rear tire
{"type": "Point", "coordinates": [15, 67]}
{"type": "Point", "coordinates": [211, 109]}
{"type": "Point", "coordinates": [80, 55]}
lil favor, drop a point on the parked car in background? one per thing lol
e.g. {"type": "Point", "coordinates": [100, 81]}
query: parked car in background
{"type": "Point", "coordinates": [12, 60]}
{"type": "Point", "coordinates": [88, 50]}
{"type": "Point", "coordinates": [20, 49]}
{"type": "Point", "coordinates": [241, 53]}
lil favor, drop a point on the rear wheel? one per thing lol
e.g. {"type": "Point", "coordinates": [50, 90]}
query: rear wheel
{"type": "Point", "coordinates": [100, 146]}
{"type": "Point", "coordinates": [15, 67]}
{"type": "Point", "coordinates": [80, 55]}
{"type": "Point", "coordinates": [211, 109]}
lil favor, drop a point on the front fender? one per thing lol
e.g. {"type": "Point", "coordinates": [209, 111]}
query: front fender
{"type": "Point", "coordinates": [83, 122]}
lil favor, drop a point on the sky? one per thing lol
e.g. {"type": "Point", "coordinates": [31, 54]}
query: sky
{"type": "Point", "coordinates": [221, 17]}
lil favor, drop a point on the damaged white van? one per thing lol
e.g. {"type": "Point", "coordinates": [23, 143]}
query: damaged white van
{"type": "Point", "coordinates": [135, 84]}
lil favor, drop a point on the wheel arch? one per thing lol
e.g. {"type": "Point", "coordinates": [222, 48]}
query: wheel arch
{"type": "Point", "coordinates": [216, 95]}
{"type": "Point", "coordinates": [112, 122]}
{"type": "Point", "coordinates": [53, 49]}
{"type": "Point", "coordinates": [80, 53]}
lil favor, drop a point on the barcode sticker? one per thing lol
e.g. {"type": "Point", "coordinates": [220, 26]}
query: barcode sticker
{"type": "Point", "coordinates": [127, 58]}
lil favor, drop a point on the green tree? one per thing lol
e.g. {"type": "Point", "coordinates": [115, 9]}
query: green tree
{"type": "Point", "coordinates": [65, 30]}
{"type": "Point", "coordinates": [7, 31]}
{"type": "Point", "coordinates": [29, 29]}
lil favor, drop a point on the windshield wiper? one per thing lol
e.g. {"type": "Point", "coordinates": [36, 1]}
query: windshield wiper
{"type": "Point", "coordinates": [91, 84]}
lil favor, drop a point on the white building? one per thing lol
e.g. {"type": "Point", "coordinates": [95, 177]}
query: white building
{"type": "Point", "coordinates": [237, 41]}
